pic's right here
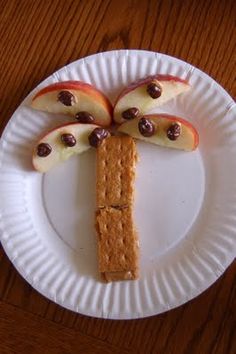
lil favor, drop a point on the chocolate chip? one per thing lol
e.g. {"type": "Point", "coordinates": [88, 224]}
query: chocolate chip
{"type": "Point", "coordinates": [97, 136]}
{"type": "Point", "coordinates": [154, 90]}
{"type": "Point", "coordinates": [68, 140]}
{"type": "Point", "coordinates": [173, 132]}
{"type": "Point", "coordinates": [43, 150]}
{"type": "Point", "coordinates": [130, 113]}
{"type": "Point", "coordinates": [66, 98]}
{"type": "Point", "coordinates": [84, 117]}
{"type": "Point", "coordinates": [146, 127]}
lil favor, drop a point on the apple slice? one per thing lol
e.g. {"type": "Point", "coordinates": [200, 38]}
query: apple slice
{"type": "Point", "coordinates": [145, 94]}
{"type": "Point", "coordinates": [75, 98]}
{"type": "Point", "coordinates": [163, 129]}
{"type": "Point", "coordinates": [64, 141]}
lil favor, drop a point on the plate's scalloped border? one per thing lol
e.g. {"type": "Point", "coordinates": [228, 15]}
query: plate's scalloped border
{"type": "Point", "coordinates": [40, 288]}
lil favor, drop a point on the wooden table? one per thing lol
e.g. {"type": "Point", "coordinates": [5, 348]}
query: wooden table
{"type": "Point", "coordinates": [39, 37]}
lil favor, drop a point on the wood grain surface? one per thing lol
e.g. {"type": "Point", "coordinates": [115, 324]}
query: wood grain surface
{"type": "Point", "coordinates": [39, 37]}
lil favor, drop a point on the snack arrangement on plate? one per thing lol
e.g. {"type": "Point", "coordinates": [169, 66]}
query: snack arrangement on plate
{"type": "Point", "coordinates": [118, 246]}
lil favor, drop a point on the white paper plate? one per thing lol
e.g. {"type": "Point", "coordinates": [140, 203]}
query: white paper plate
{"type": "Point", "coordinates": [185, 207]}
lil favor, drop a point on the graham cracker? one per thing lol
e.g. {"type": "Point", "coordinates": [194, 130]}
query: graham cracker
{"type": "Point", "coordinates": [117, 244]}
{"type": "Point", "coordinates": [118, 250]}
{"type": "Point", "coordinates": [116, 160]}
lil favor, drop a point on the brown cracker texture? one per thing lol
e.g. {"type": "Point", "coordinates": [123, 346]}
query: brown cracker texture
{"type": "Point", "coordinates": [116, 160]}
{"type": "Point", "coordinates": [117, 240]}
{"type": "Point", "coordinates": [118, 250]}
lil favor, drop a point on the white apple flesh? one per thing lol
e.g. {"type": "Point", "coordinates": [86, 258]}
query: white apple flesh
{"type": "Point", "coordinates": [136, 95]}
{"type": "Point", "coordinates": [59, 151]}
{"type": "Point", "coordinates": [86, 99]}
{"type": "Point", "coordinates": [188, 139]}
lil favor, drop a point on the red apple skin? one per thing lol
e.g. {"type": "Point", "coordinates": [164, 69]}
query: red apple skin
{"type": "Point", "coordinates": [171, 119]}
{"type": "Point", "coordinates": [44, 136]}
{"type": "Point", "coordinates": [143, 81]}
{"type": "Point", "coordinates": [181, 121]}
{"type": "Point", "coordinates": [81, 86]}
